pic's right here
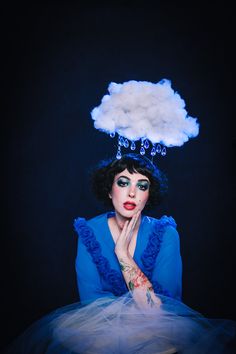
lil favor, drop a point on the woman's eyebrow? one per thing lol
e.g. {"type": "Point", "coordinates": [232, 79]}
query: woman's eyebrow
{"type": "Point", "coordinates": [139, 180]}
{"type": "Point", "coordinates": [123, 177]}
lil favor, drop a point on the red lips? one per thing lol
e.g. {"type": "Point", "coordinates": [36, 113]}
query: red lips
{"type": "Point", "coordinates": [129, 205]}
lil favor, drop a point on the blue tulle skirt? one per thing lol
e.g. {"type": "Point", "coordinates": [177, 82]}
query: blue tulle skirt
{"type": "Point", "coordinates": [118, 325]}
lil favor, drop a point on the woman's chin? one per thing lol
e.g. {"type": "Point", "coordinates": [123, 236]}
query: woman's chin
{"type": "Point", "coordinates": [127, 214]}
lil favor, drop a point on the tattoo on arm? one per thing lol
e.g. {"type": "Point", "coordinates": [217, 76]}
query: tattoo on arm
{"type": "Point", "coordinates": [136, 279]}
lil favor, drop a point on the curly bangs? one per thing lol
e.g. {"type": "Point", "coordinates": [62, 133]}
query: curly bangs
{"type": "Point", "coordinates": [103, 176]}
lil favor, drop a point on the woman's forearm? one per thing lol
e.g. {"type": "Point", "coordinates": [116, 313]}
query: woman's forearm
{"type": "Point", "coordinates": [137, 282]}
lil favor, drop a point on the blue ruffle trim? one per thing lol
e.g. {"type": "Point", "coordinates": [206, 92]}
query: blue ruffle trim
{"type": "Point", "coordinates": [154, 244]}
{"type": "Point", "coordinates": [111, 276]}
{"type": "Point", "coordinates": [148, 257]}
{"type": "Point", "coordinates": [153, 248]}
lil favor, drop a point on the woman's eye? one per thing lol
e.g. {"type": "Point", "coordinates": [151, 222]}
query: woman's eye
{"type": "Point", "coordinates": [143, 186]}
{"type": "Point", "coordinates": [122, 183]}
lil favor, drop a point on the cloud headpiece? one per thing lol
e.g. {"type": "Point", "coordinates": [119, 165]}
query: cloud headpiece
{"type": "Point", "coordinates": [151, 113]}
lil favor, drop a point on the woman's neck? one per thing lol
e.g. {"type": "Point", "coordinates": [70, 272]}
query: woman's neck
{"type": "Point", "coordinates": [120, 221]}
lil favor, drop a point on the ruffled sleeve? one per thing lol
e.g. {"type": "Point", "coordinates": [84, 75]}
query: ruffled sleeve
{"type": "Point", "coordinates": [95, 263]}
{"type": "Point", "coordinates": [161, 258]}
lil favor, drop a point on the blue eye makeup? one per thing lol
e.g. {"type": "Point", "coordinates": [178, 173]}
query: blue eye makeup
{"type": "Point", "coordinates": [123, 182]}
{"type": "Point", "coordinates": [143, 185]}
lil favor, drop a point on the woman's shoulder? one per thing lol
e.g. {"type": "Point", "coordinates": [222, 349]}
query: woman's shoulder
{"type": "Point", "coordinates": [163, 221]}
{"type": "Point", "coordinates": [93, 222]}
{"type": "Point", "coordinates": [165, 227]}
{"type": "Point", "coordinates": [163, 231]}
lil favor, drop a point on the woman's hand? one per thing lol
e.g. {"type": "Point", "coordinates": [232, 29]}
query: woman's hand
{"type": "Point", "coordinates": [123, 241]}
{"type": "Point", "coordinates": [135, 279]}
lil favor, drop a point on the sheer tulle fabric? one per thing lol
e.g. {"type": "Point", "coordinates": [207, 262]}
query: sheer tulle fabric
{"type": "Point", "coordinates": [117, 325]}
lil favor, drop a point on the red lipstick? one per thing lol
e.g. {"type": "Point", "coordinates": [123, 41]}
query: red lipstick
{"type": "Point", "coordinates": [129, 205]}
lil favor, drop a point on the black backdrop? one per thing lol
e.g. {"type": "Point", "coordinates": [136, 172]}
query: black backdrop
{"type": "Point", "coordinates": [59, 58]}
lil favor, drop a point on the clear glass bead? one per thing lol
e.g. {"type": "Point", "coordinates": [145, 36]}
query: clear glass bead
{"type": "Point", "coordinates": [142, 150]}
{"type": "Point", "coordinates": [133, 146]}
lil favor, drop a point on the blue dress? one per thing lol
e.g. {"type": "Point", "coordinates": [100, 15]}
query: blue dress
{"type": "Point", "coordinates": [107, 320]}
{"type": "Point", "coordinates": [157, 254]}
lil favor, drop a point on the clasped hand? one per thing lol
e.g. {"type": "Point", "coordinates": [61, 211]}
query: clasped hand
{"type": "Point", "coordinates": [125, 237]}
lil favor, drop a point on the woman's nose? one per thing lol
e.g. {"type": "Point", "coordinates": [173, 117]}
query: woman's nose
{"type": "Point", "coordinates": [132, 192]}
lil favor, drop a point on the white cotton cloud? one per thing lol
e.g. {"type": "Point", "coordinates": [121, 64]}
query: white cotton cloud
{"type": "Point", "coordinates": [141, 109]}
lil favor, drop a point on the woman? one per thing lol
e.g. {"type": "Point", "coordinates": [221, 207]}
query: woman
{"type": "Point", "coordinates": [129, 278]}
{"type": "Point", "coordinates": [140, 252]}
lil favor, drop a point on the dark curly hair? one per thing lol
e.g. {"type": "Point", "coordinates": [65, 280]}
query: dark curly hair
{"type": "Point", "coordinates": [102, 177]}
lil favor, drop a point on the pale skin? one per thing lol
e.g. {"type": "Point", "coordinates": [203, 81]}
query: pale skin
{"type": "Point", "coordinates": [129, 194]}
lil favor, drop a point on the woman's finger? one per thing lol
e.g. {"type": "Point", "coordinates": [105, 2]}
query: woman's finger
{"type": "Point", "coordinates": [124, 230]}
{"type": "Point", "coordinates": [132, 225]}
{"type": "Point", "coordinates": [127, 232]}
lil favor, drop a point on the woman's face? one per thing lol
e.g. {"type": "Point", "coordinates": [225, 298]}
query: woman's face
{"type": "Point", "coordinates": [129, 193]}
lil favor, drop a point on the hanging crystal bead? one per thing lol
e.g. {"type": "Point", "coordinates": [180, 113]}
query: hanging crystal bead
{"type": "Point", "coordinates": [126, 143]}
{"type": "Point", "coordinates": [163, 151]}
{"type": "Point", "coordinates": [133, 146]}
{"type": "Point", "coordinates": [153, 151]}
{"type": "Point", "coordinates": [158, 149]}
{"type": "Point", "coordinates": [112, 135]}
{"type": "Point", "coordinates": [121, 141]}
{"type": "Point", "coordinates": [146, 144]}
{"type": "Point", "coordinates": [142, 150]}
{"type": "Point", "coordinates": [118, 155]}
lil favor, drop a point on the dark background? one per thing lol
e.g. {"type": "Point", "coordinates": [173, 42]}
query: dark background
{"type": "Point", "coordinates": [58, 59]}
